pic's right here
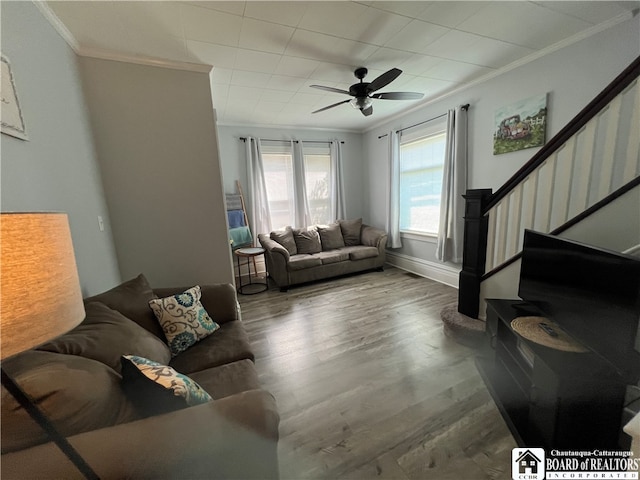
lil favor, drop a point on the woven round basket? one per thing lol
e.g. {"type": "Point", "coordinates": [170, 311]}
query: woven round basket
{"type": "Point", "coordinates": [529, 328]}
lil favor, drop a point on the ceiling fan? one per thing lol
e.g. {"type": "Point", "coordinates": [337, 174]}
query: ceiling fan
{"type": "Point", "coordinates": [363, 91]}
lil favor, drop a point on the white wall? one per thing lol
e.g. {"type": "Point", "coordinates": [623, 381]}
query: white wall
{"type": "Point", "coordinates": [156, 140]}
{"type": "Point", "coordinates": [233, 158]}
{"type": "Point", "coordinates": [56, 169]}
{"type": "Point", "coordinates": [572, 77]}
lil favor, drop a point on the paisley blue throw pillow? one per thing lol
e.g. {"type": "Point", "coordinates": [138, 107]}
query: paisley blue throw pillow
{"type": "Point", "coordinates": [155, 388]}
{"type": "Point", "coordinates": [183, 319]}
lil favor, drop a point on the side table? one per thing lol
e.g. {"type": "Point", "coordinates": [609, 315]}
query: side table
{"type": "Point", "coordinates": [252, 287]}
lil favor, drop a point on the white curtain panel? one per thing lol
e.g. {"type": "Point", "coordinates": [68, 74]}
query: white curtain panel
{"type": "Point", "coordinates": [260, 215]}
{"type": "Point", "coordinates": [336, 192]}
{"type": "Point", "coordinates": [393, 212]}
{"type": "Point", "coordinates": [454, 185]}
{"type": "Point", "coordinates": [302, 217]}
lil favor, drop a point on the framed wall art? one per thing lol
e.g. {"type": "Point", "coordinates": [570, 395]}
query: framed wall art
{"type": "Point", "coordinates": [12, 122]}
{"type": "Point", "coordinates": [520, 125]}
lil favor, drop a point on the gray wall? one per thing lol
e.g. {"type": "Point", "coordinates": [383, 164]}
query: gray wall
{"type": "Point", "coordinates": [233, 158]}
{"type": "Point", "coordinates": [572, 77]}
{"type": "Point", "coordinates": [156, 141]}
{"type": "Point", "coordinates": [56, 170]}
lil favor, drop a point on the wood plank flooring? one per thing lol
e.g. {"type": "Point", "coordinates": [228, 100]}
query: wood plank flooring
{"type": "Point", "coordinates": [368, 385]}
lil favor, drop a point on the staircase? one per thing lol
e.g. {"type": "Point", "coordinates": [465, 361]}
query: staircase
{"type": "Point", "coordinates": [589, 164]}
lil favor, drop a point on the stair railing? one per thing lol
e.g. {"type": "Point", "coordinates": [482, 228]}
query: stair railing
{"type": "Point", "coordinates": [595, 154]}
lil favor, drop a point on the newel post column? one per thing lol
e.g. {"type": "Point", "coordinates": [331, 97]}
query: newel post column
{"type": "Point", "coordinates": [474, 251]}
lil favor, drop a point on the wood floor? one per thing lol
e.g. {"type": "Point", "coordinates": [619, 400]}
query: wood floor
{"type": "Point", "coordinates": [368, 385]}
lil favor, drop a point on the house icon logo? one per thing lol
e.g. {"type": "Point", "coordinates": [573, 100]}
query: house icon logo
{"type": "Point", "coordinates": [527, 464]}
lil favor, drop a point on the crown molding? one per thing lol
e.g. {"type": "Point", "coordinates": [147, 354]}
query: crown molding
{"type": "Point", "coordinates": [222, 123]}
{"type": "Point", "coordinates": [57, 24]}
{"type": "Point", "coordinates": [142, 60]}
{"type": "Point", "coordinates": [68, 37]}
{"type": "Point", "coordinates": [600, 27]}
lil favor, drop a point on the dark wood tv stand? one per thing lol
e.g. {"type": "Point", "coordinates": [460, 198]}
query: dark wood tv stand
{"type": "Point", "coordinates": [549, 398]}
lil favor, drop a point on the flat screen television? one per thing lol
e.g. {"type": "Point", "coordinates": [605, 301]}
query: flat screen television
{"type": "Point", "coordinates": [592, 293]}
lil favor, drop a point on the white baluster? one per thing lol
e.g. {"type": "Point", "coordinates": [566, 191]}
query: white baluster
{"type": "Point", "coordinates": [562, 183]}
{"type": "Point", "coordinates": [545, 194]}
{"type": "Point", "coordinates": [491, 239]}
{"type": "Point", "coordinates": [632, 162]}
{"type": "Point", "coordinates": [584, 167]}
{"type": "Point", "coordinates": [609, 153]}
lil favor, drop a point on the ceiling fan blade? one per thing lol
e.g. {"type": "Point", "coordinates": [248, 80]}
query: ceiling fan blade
{"type": "Point", "coordinates": [331, 106]}
{"type": "Point", "coordinates": [330, 89]}
{"type": "Point", "coordinates": [398, 95]}
{"type": "Point", "coordinates": [367, 111]}
{"type": "Point", "coordinates": [384, 80]}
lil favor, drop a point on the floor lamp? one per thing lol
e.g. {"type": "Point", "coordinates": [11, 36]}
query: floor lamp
{"type": "Point", "coordinates": [40, 300]}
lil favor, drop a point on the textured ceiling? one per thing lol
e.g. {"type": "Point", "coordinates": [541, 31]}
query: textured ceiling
{"type": "Point", "coordinates": [266, 54]}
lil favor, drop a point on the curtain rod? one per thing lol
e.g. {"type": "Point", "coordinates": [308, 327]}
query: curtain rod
{"type": "Point", "coordinates": [244, 139]}
{"type": "Point", "coordinates": [464, 107]}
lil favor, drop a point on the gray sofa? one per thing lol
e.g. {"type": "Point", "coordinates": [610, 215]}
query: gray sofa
{"type": "Point", "coordinates": [113, 422]}
{"type": "Point", "coordinates": [295, 256]}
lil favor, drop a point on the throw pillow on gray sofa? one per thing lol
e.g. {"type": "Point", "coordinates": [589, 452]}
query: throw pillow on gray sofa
{"type": "Point", "coordinates": [131, 299]}
{"type": "Point", "coordinates": [351, 231]}
{"type": "Point", "coordinates": [330, 236]}
{"type": "Point", "coordinates": [285, 238]}
{"type": "Point", "coordinates": [307, 240]}
{"type": "Point", "coordinates": [156, 389]}
{"type": "Point", "coordinates": [105, 335]}
{"type": "Point", "coordinates": [183, 319]}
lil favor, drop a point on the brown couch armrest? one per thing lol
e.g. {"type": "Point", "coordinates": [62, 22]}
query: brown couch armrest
{"type": "Point", "coordinates": [373, 237]}
{"type": "Point", "coordinates": [277, 260]}
{"type": "Point", "coordinates": [273, 248]}
{"type": "Point", "coordinates": [218, 299]}
{"type": "Point", "coordinates": [234, 437]}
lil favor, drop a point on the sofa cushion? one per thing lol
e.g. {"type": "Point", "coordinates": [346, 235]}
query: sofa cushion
{"type": "Point", "coordinates": [229, 379]}
{"type": "Point", "coordinates": [155, 388]}
{"type": "Point", "coordinates": [78, 394]}
{"type": "Point", "coordinates": [131, 299]}
{"type": "Point", "coordinates": [351, 231]}
{"type": "Point", "coordinates": [230, 343]}
{"type": "Point", "coordinates": [361, 252]}
{"type": "Point", "coordinates": [183, 319]}
{"type": "Point", "coordinates": [285, 238]}
{"type": "Point", "coordinates": [330, 236]}
{"type": "Point", "coordinates": [300, 262]}
{"type": "Point", "coordinates": [307, 240]}
{"type": "Point", "coordinates": [332, 256]}
{"type": "Point", "coordinates": [105, 335]}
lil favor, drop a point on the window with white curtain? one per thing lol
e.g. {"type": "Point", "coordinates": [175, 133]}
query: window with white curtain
{"type": "Point", "coordinates": [317, 162]}
{"type": "Point", "coordinates": [277, 160]}
{"type": "Point", "coordinates": [421, 168]}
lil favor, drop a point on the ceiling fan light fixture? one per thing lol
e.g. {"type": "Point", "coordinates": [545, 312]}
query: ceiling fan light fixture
{"type": "Point", "coordinates": [361, 103]}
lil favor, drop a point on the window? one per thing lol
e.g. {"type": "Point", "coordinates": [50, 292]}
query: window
{"type": "Point", "coordinates": [421, 170]}
{"type": "Point", "coordinates": [278, 177]}
{"type": "Point", "coordinates": [317, 163]}
{"type": "Point", "coordinates": [278, 170]}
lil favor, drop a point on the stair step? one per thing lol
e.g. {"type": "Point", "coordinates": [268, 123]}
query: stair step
{"type": "Point", "coordinates": [461, 328]}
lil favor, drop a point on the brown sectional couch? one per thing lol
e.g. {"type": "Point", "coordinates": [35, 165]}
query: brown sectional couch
{"type": "Point", "coordinates": [76, 380]}
{"type": "Point", "coordinates": [295, 256]}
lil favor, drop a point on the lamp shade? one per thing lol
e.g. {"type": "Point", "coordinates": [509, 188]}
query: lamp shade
{"type": "Point", "coordinates": [40, 296]}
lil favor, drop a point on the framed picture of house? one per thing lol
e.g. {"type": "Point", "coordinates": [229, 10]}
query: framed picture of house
{"type": "Point", "coordinates": [520, 125]}
{"type": "Point", "coordinates": [12, 122]}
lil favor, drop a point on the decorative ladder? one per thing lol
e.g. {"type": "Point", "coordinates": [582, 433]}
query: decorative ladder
{"type": "Point", "coordinates": [594, 159]}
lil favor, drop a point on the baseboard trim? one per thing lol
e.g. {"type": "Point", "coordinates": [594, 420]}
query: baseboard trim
{"type": "Point", "coordinates": [435, 271]}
